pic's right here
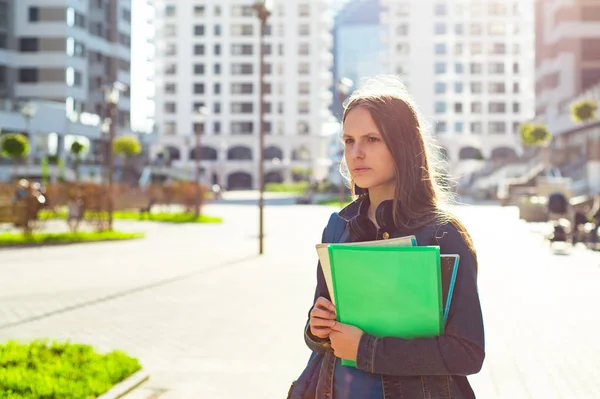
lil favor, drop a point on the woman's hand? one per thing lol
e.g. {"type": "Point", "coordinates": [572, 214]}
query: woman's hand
{"type": "Point", "coordinates": [322, 318]}
{"type": "Point", "coordinates": [345, 340]}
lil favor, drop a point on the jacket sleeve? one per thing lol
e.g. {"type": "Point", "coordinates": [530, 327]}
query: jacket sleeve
{"type": "Point", "coordinates": [316, 344]}
{"type": "Point", "coordinates": [459, 351]}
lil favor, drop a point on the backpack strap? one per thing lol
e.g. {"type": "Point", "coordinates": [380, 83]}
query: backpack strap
{"type": "Point", "coordinates": [335, 228]}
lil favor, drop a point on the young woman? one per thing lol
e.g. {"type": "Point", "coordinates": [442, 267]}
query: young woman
{"type": "Point", "coordinates": [397, 194]}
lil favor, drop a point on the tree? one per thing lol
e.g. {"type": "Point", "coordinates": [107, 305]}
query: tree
{"type": "Point", "coordinates": [584, 111]}
{"type": "Point", "coordinates": [14, 146]}
{"type": "Point", "coordinates": [127, 146]}
{"type": "Point", "coordinates": [76, 149]}
{"type": "Point", "coordinates": [534, 134]}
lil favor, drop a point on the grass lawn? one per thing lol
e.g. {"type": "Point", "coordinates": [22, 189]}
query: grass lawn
{"type": "Point", "coordinates": [17, 239]}
{"type": "Point", "coordinates": [296, 187]}
{"type": "Point", "coordinates": [335, 202]}
{"type": "Point", "coordinates": [135, 215]}
{"type": "Point", "coordinates": [60, 370]}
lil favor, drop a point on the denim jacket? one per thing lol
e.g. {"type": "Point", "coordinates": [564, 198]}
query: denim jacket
{"type": "Point", "coordinates": [428, 368]}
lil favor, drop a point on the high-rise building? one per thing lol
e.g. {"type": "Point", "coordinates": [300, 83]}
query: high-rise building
{"type": "Point", "coordinates": [207, 55]}
{"type": "Point", "coordinates": [58, 55]}
{"type": "Point", "coordinates": [469, 65]}
{"type": "Point", "coordinates": [567, 50]}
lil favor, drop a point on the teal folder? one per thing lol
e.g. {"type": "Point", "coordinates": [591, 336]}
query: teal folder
{"type": "Point", "coordinates": [388, 291]}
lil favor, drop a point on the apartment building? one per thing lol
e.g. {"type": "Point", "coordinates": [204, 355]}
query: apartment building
{"type": "Point", "coordinates": [469, 64]}
{"type": "Point", "coordinates": [207, 55]}
{"type": "Point", "coordinates": [57, 55]}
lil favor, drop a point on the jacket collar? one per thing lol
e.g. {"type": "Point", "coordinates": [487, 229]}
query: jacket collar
{"type": "Point", "coordinates": [361, 227]}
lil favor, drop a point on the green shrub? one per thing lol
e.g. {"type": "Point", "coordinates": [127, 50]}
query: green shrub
{"type": "Point", "coordinates": [60, 370]}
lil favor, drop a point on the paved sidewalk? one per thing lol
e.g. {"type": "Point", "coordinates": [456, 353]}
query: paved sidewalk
{"type": "Point", "coordinates": [210, 319]}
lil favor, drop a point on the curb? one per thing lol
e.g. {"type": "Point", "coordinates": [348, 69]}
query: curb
{"type": "Point", "coordinates": [126, 386]}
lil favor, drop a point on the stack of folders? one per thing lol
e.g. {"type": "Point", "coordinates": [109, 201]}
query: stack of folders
{"type": "Point", "coordinates": [390, 288]}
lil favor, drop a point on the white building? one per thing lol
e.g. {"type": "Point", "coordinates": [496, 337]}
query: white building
{"type": "Point", "coordinates": [469, 64]}
{"type": "Point", "coordinates": [58, 54]}
{"type": "Point", "coordinates": [207, 55]}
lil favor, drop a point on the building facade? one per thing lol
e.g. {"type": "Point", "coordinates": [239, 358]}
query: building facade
{"type": "Point", "coordinates": [57, 55]}
{"type": "Point", "coordinates": [207, 56]}
{"type": "Point", "coordinates": [469, 64]}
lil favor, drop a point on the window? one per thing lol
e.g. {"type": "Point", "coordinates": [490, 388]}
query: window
{"type": "Point", "coordinates": [198, 88]}
{"type": "Point", "coordinates": [217, 88]}
{"type": "Point", "coordinates": [199, 30]}
{"type": "Point", "coordinates": [304, 9]}
{"type": "Point", "coordinates": [497, 87]}
{"type": "Point", "coordinates": [304, 29]}
{"type": "Point", "coordinates": [402, 30]}
{"type": "Point", "coordinates": [242, 11]}
{"type": "Point", "coordinates": [516, 49]}
{"type": "Point", "coordinates": [402, 10]}
{"type": "Point", "coordinates": [458, 127]}
{"type": "Point", "coordinates": [476, 29]}
{"type": "Point", "coordinates": [497, 8]}
{"type": "Point", "coordinates": [515, 67]}
{"type": "Point", "coordinates": [497, 127]}
{"type": "Point", "coordinates": [198, 69]}
{"type": "Point", "coordinates": [217, 11]}
{"type": "Point", "coordinates": [217, 30]}
{"type": "Point", "coordinates": [440, 48]}
{"type": "Point", "coordinates": [241, 30]}
{"type": "Point", "coordinates": [476, 127]}
{"type": "Point", "coordinates": [242, 127]}
{"type": "Point", "coordinates": [241, 88]}
{"type": "Point", "coordinates": [516, 108]}
{"type": "Point", "coordinates": [170, 10]}
{"type": "Point", "coordinates": [458, 48]}
{"type": "Point", "coordinates": [441, 9]}
{"type": "Point", "coordinates": [217, 127]}
{"type": "Point", "coordinates": [497, 29]}
{"type": "Point", "coordinates": [28, 75]}
{"type": "Point", "coordinates": [242, 108]}
{"type": "Point", "coordinates": [170, 30]}
{"type": "Point", "coordinates": [476, 107]}
{"type": "Point", "coordinates": [516, 87]}
{"type": "Point", "coordinates": [241, 69]}
{"type": "Point", "coordinates": [170, 88]}
{"type": "Point", "coordinates": [198, 49]}
{"type": "Point", "coordinates": [170, 69]}
{"type": "Point", "coordinates": [441, 127]}
{"type": "Point", "coordinates": [476, 48]}
{"type": "Point", "coordinates": [28, 44]}
{"type": "Point", "coordinates": [241, 49]}
{"type": "Point", "coordinates": [497, 108]}
{"type": "Point", "coordinates": [440, 67]}
{"type": "Point", "coordinates": [170, 108]}
{"type": "Point", "coordinates": [498, 48]}
{"type": "Point", "coordinates": [458, 87]}
{"type": "Point", "coordinates": [440, 107]}
{"type": "Point", "coordinates": [217, 49]}
{"type": "Point", "coordinates": [217, 69]}
{"type": "Point", "coordinates": [459, 29]}
{"type": "Point", "coordinates": [458, 68]}
{"type": "Point", "coordinates": [217, 108]}
{"type": "Point", "coordinates": [171, 49]}
{"type": "Point", "coordinates": [304, 68]}
{"type": "Point", "coordinates": [476, 88]}
{"type": "Point", "coordinates": [476, 68]}
{"type": "Point", "coordinates": [170, 128]}
{"type": "Point", "coordinates": [458, 108]}
{"type": "Point", "coordinates": [34, 14]}
{"type": "Point", "coordinates": [440, 28]}
{"type": "Point", "coordinates": [440, 87]}
{"type": "Point", "coordinates": [496, 68]}
{"type": "Point", "coordinates": [303, 49]}
{"type": "Point", "coordinates": [303, 107]}
{"type": "Point", "coordinates": [199, 11]}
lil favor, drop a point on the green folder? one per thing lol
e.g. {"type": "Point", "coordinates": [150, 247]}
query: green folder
{"type": "Point", "coordinates": [388, 291]}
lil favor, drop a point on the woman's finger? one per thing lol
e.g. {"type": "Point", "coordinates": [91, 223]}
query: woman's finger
{"type": "Point", "coordinates": [322, 313]}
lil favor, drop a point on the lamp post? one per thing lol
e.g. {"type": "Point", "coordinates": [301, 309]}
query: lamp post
{"type": "Point", "coordinates": [343, 88]}
{"type": "Point", "coordinates": [263, 10]}
{"type": "Point", "coordinates": [111, 96]}
{"type": "Point", "coordinates": [28, 111]}
{"type": "Point", "coordinates": [200, 116]}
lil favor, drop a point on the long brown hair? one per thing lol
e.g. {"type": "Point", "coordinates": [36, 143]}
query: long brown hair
{"type": "Point", "coordinates": [419, 197]}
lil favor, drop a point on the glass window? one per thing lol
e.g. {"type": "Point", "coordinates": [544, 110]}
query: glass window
{"type": "Point", "coordinates": [440, 87]}
{"type": "Point", "coordinates": [440, 28]}
{"type": "Point", "coordinates": [440, 67]}
{"type": "Point", "coordinates": [440, 107]}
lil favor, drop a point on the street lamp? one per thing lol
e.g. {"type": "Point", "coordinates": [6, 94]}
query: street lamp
{"type": "Point", "coordinates": [28, 110]}
{"type": "Point", "coordinates": [200, 116]}
{"type": "Point", "coordinates": [263, 10]}
{"type": "Point", "coordinates": [111, 96]}
{"type": "Point", "coordinates": [343, 88]}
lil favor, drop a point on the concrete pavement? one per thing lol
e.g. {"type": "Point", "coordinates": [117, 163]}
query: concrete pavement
{"type": "Point", "coordinates": [210, 319]}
